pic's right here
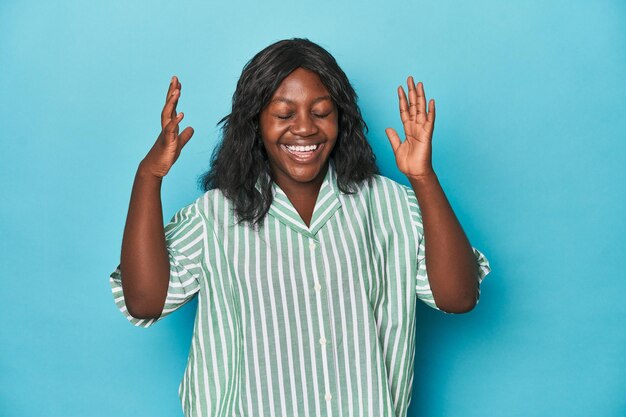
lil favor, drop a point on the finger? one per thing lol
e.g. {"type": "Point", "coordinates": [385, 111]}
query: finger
{"type": "Point", "coordinates": [412, 98]}
{"type": "Point", "coordinates": [421, 103]}
{"type": "Point", "coordinates": [178, 88]}
{"type": "Point", "coordinates": [394, 139]}
{"type": "Point", "coordinates": [168, 96]}
{"type": "Point", "coordinates": [171, 128]}
{"type": "Point", "coordinates": [431, 112]}
{"type": "Point", "coordinates": [168, 112]}
{"type": "Point", "coordinates": [171, 88]}
{"type": "Point", "coordinates": [175, 103]}
{"type": "Point", "coordinates": [404, 105]}
{"type": "Point", "coordinates": [185, 135]}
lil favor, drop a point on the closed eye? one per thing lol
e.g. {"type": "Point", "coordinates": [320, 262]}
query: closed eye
{"type": "Point", "coordinates": [288, 116]}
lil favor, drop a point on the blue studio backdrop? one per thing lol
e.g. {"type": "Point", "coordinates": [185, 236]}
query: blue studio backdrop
{"type": "Point", "coordinates": [528, 145]}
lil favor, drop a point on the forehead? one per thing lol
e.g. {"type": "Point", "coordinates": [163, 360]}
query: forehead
{"type": "Point", "coordinates": [301, 85]}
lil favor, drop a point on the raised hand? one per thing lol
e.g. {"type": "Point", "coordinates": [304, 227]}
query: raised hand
{"type": "Point", "coordinates": [414, 155]}
{"type": "Point", "coordinates": [168, 145]}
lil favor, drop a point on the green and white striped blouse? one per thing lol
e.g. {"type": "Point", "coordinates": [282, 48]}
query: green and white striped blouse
{"type": "Point", "coordinates": [295, 320]}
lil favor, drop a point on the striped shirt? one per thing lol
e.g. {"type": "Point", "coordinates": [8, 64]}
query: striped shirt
{"type": "Point", "coordinates": [295, 320]}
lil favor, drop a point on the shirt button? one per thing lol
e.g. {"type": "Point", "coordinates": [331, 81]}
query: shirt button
{"type": "Point", "coordinates": [322, 341]}
{"type": "Point", "coordinates": [317, 287]}
{"type": "Point", "coordinates": [328, 396]}
{"type": "Point", "coordinates": [312, 246]}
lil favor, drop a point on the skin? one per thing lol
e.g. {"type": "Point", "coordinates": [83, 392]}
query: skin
{"type": "Point", "coordinates": [299, 113]}
{"type": "Point", "coordinates": [452, 269]}
{"type": "Point", "coordinates": [144, 259]}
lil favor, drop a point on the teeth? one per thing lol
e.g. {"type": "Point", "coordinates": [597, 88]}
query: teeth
{"type": "Point", "coordinates": [308, 148]}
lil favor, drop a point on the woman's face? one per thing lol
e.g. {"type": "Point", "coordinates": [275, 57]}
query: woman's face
{"type": "Point", "coordinates": [299, 128]}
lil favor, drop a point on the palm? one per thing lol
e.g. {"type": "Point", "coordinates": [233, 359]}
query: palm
{"type": "Point", "coordinates": [168, 145]}
{"type": "Point", "coordinates": [414, 154]}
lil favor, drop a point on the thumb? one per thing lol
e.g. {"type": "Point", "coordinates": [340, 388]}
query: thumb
{"type": "Point", "coordinates": [394, 139]}
{"type": "Point", "coordinates": [185, 135]}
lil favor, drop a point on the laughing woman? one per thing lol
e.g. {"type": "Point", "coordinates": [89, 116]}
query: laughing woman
{"type": "Point", "coordinates": [307, 263]}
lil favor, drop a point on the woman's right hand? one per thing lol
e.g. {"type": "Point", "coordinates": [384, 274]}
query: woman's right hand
{"type": "Point", "coordinates": [168, 145]}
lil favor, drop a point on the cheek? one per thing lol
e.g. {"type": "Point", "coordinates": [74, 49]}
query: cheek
{"type": "Point", "coordinates": [334, 124]}
{"type": "Point", "coordinates": [272, 131]}
{"type": "Point", "coordinates": [267, 126]}
{"type": "Point", "coordinates": [332, 130]}
{"type": "Point", "coordinates": [268, 137]}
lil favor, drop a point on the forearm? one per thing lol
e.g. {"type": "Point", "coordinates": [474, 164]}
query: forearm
{"type": "Point", "coordinates": [450, 262]}
{"type": "Point", "coordinates": [144, 258]}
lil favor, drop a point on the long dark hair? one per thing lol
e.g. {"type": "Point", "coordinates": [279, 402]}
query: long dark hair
{"type": "Point", "coordinates": [240, 160]}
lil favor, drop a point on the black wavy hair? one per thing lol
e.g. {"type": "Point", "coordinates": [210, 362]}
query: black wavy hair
{"type": "Point", "coordinates": [240, 159]}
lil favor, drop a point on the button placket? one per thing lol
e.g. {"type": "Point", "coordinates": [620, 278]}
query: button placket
{"type": "Point", "coordinates": [312, 247]}
{"type": "Point", "coordinates": [315, 250]}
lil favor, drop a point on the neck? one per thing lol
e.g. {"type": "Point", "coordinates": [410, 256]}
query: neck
{"type": "Point", "coordinates": [301, 190]}
{"type": "Point", "coordinates": [303, 195]}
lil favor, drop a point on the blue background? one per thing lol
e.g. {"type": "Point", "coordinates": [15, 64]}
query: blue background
{"type": "Point", "coordinates": [528, 145]}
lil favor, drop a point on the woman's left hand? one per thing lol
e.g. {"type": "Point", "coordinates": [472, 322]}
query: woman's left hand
{"type": "Point", "coordinates": [414, 155]}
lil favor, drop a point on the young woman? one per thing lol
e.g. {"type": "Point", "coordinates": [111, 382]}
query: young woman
{"type": "Point", "coordinates": [307, 263]}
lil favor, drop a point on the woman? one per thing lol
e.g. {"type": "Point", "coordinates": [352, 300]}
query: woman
{"type": "Point", "coordinates": [306, 261]}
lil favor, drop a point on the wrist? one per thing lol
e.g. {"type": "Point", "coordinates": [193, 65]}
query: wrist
{"type": "Point", "coordinates": [427, 178]}
{"type": "Point", "coordinates": [424, 185]}
{"type": "Point", "coordinates": [146, 175]}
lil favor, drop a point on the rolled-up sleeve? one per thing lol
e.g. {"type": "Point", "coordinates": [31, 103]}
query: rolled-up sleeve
{"type": "Point", "coordinates": [185, 237]}
{"type": "Point", "coordinates": [422, 285]}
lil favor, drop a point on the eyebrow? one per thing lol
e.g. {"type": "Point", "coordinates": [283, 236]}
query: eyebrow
{"type": "Point", "coordinates": [286, 100]}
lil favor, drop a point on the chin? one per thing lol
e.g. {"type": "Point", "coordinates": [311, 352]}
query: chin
{"type": "Point", "coordinates": [305, 173]}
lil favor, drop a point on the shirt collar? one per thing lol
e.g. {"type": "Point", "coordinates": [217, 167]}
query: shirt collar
{"type": "Point", "coordinates": [327, 203]}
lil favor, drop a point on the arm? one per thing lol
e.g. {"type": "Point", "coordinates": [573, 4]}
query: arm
{"type": "Point", "coordinates": [144, 259]}
{"type": "Point", "coordinates": [450, 261]}
{"type": "Point", "coordinates": [452, 269]}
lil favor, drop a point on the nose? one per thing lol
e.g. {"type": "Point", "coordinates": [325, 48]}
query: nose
{"type": "Point", "coordinates": [304, 125]}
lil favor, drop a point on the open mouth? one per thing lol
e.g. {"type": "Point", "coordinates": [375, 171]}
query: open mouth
{"type": "Point", "coordinates": [303, 153]}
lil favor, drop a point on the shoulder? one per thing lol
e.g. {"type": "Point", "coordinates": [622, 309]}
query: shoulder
{"type": "Point", "coordinates": [213, 204]}
{"type": "Point", "coordinates": [391, 206]}
{"type": "Point", "coordinates": [216, 209]}
{"type": "Point", "coordinates": [384, 195]}
{"type": "Point", "coordinates": [381, 185]}
{"type": "Point", "coordinates": [203, 207]}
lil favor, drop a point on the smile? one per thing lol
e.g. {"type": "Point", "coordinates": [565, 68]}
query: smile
{"type": "Point", "coordinates": [303, 153]}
